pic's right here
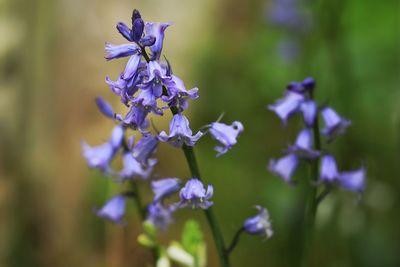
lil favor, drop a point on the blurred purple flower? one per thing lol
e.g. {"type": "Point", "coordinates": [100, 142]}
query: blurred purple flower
{"type": "Point", "coordinates": [309, 109]}
{"type": "Point", "coordinates": [104, 107]}
{"type": "Point", "coordinates": [143, 150]}
{"type": "Point", "coordinates": [334, 124]}
{"type": "Point", "coordinates": [259, 224]}
{"type": "Point", "coordinates": [113, 210]}
{"type": "Point", "coordinates": [284, 167]}
{"type": "Point", "coordinates": [226, 135]}
{"type": "Point", "coordinates": [159, 215]}
{"type": "Point", "coordinates": [193, 195]}
{"type": "Point", "coordinates": [287, 106]}
{"type": "Point", "coordinates": [353, 180]}
{"type": "Point", "coordinates": [133, 169]}
{"type": "Point", "coordinates": [164, 188]}
{"type": "Point", "coordinates": [328, 169]}
{"type": "Point", "coordinates": [303, 146]}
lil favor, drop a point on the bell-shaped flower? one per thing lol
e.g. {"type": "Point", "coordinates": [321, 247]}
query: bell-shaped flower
{"type": "Point", "coordinates": [179, 132]}
{"type": "Point", "coordinates": [194, 195]}
{"type": "Point", "coordinates": [156, 30]}
{"type": "Point", "coordinates": [144, 149]}
{"type": "Point", "coordinates": [328, 169]}
{"type": "Point", "coordinates": [133, 169]}
{"type": "Point", "coordinates": [164, 188]}
{"type": "Point", "coordinates": [159, 215]}
{"type": "Point", "coordinates": [99, 157]}
{"type": "Point", "coordinates": [135, 118]}
{"type": "Point", "coordinates": [105, 107]}
{"type": "Point", "coordinates": [284, 167]}
{"type": "Point", "coordinates": [303, 146]}
{"type": "Point", "coordinates": [118, 51]}
{"type": "Point", "coordinates": [113, 210]}
{"type": "Point", "coordinates": [125, 88]}
{"type": "Point", "coordinates": [259, 224]}
{"type": "Point", "coordinates": [334, 124]}
{"type": "Point", "coordinates": [226, 135]}
{"type": "Point", "coordinates": [132, 66]}
{"type": "Point", "coordinates": [148, 101]}
{"type": "Point", "coordinates": [309, 109]}
{"type": "Point", "coordinates": [287, 106]}
{"type": "Point", "coordinates": [178, 95]}
{"type": "Point", "coordinates": [353, 180]}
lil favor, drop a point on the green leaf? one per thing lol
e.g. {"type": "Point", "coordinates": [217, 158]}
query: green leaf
{"type": "Point", "coordinates": [146, 241]}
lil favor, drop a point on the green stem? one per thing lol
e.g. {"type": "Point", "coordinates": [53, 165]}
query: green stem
{"type": "Point", "coordinates": [312, 203]}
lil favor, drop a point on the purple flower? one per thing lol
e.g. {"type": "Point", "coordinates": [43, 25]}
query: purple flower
{"type": "Point", "coordinates": [309, 109]}
{"type": "Point", "coordinates": [137, 29]}
{"type": "Point", "coordinates": [125, 31]}
{"type": "Point", "coordinates": [178, 95]}
{"type": "Point", "coordinates": [334, 124]}
{"type": "Point", "coordinates": [284, 167]}
{"type": "Point", "coordinates": [131, 67]}
{"type": "Point", "coordinates": [156, 30]}
{"type": "Point", "coordinates": [308, 83]}
{"type": "Point", "coordinates": [125, 88]}
{"type": "Point", "coordinates": [353, 180]}
{"type": "Point", "coordinates": [193, 195]}
{"type": "Point", "coordinates": [328, 169]}
{"type": "Point", "coordinates": [259, 224]}
{"type": "Point", "coordinates": [303, 146]}
{"type": "Point", "coordinates": [99, 157]}
{"type": "Point", "coordinates": [226, 135]}
{"type": "Point", "coordinates": [287, 106]}
{"type": "Point", "coordinates": [132, 168]}
{"type": "Point", "coordinates": [104, 107]}
{"type": "Point", "coordinates": [180, 133]}
{"type": "Point", "coordinates": [135, 118]}
{"type": "Point", "coordinates": [118, 51]}
{"type": "Point", "coordinates": [165, 187]}
{"type": "Point", "coordinates": [143, 150]}
{"type": "Point", "coordinates": [159, 215]}
{"type": "Point", "coordinates": [113, 210]}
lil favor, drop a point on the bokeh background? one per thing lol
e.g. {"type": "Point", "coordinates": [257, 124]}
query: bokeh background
{"type": "Point", "coordinates": [241, 54]}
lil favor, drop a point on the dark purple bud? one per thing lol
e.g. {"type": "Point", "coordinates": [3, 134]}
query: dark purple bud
{"type": "Point", "coordinates": [295, 87]}
{"type": "Point", "coordinates": [308, 83]}
{"type": "Point", "coordinates": [104, 107]}
{"type": "Point", "coordinates": [135, 15]}
{"type": "Point", "coordinates": [124, 31]}
{"type": "Point", "coordinates": [148, 40]}
{"type": "Point", "coordinates": [137, 29]}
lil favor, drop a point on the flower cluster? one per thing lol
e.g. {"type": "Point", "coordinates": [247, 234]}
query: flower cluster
{"type": "Point", "coordinates": [148, 86]}
{"type": "Point", "coordinates": [299, 99]}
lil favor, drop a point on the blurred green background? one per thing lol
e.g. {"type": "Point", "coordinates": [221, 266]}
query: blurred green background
{"type": "Point", "coordinates": [241, 54]}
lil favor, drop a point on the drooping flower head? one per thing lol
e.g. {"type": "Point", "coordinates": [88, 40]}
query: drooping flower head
{"type": "Point", "coordinates": [157, 30]}
{"type": "Point", "coordinates": [113, 210]}
{"type": "Point", "coordinates": [178, 95]}
{"type": "Point", "coordinates": [303, 146]}
{"type": "Point", "coordinates": [144, 149]}
{"type": "Point", "coordinates": [334, 124]}
{"type": "Point", "coordinates": [194, 195]}
{"type": "Point", "coordinates": [259, 224]}
{"type": "Point", "coordinates": [284, 167]}
{"type": "Point", "coordinates": [226, 135]}
{"type": "Point", "coordinates": [164, 188]}
{"type": "Point", "coordinates": [179, 132]}
{"type": "Point", "coordinates": [133, 169]}
{"type": "Point", "coordinates": [159, 215]}
{"type": "Point", "coordinates": [287, 106]}
{"type": "Point", "coordinates": [328, 169]}
{"type": "Point", "coordinates": [353, 180]}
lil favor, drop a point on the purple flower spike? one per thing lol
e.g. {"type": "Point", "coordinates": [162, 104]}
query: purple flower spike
{"type": "Point", "coordinates": [309, 109]}
{"type": "Point", "coordinates": [125, 31]}
{"type": "Point", "coordinates": [180, 133]}
{"type": "Point", "coordinates": [132, 168]}
{"type": "Point", "coordinates": [284, 167]}
{"type": "Point", "coordinates": [105, 107]}
{"type": "Point", "coordinates": [159, 216]}
{"type": "Point", "coordinates": [144, 149]}
{"type": "Point", "coordinates": [118, 51]}
{"type": "Point", "coordinates": [303, 146]}
{"type": "Point", "coordinates": [156, 30]}
{"type": "Point", "coordinates": [165, 187]}
{"type": "Point", "coordinates": [328, 169]}
{"type": "Point", "coordinates": [353, 180]}
{"type": "Point", "coordinates": [193, 195]}
{"type": "Point", "coordinates": [226, 135]}
{"type": "Point", "coordinates": [334, 124]}
{"type": "Point", "coordinates": [287, 106]}
{"type": "Point", "coordinates": [259, 224]}
{"type": "Point", "coordinates": [113, 210]}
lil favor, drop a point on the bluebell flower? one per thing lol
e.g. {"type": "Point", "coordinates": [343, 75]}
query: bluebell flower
{"type": "Point", "coordinates": [259, 224]}
{"type": "Point", "coordinates": [137, 29]}
{"type": "Point", "coordinates": [99, 157]}
{"type": "Point", "coordinates": [226, 135]}
{"type": "Point", "coordinates": [144, 148]}
{"type": "Point", "coordinates": [135, 118]}
{"type": "Point", "coordinates": [334, 124]}
{"type": "Point", "coordinates": [287, 106]}
{"type": "Point", "coordinates": [194, 195]}
{"type": "Point", "coordinates": [353, 180]}
{"type": "Point", "coordinates": [133, 169]}
{"type": "Point", "coordinates": [118, 51]}
{"type": "Point", "coordinates": [179, 132]}
{"type": "Point", "coordinates": [113, 210]}
{"type": "Point", "coordinates": [308, 83]}
{"type": "Point", "coordinates": [125, 88]}
{"type": "Point", "coordinates": [131, 66]}
{"type": "Point", "coordinates": [178, 95]}
{"type": "Point", "coordinates": [105, 107]}
{"type": "Point", "coordinates": [310, 110]}
{"type": "Point", "coordinates": [125, 31]}
{"type": "Point", "coordinates": [284, 167]}
{"type": "Point", "coordinates": [156, 30]}
{"type": "Point", "coordinates": [164, 188]}
{"type": "Point", "coordinates": [159, 215]}
{"type": "Point", "coordinates": [303, 146]}
{"type": "Point", "coordinates": [328, 169]}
